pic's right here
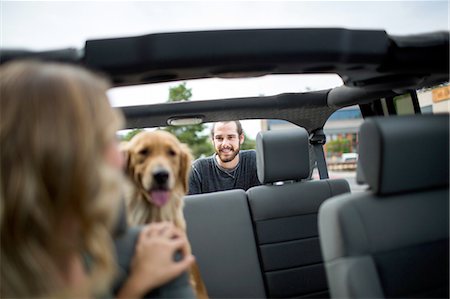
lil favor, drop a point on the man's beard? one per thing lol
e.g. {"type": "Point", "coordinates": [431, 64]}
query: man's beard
{"type": "Point", "coordinates": [227, 159]}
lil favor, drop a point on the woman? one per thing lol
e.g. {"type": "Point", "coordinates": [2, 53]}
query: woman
{"type": "Point", "coordinates": [60, 189]}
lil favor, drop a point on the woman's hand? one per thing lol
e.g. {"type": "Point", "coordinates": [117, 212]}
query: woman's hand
{"type": "Point", "coordinates": [153, 263]}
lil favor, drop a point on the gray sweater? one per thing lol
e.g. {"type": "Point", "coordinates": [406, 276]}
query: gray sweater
{"type": "Point", "coordinates": [207, 176]}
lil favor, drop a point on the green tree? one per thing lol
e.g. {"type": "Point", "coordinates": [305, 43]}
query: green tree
{"type": "Point", "coordinates": [179, 93]}
{"type": "Point", "coordinates": [195, 136]}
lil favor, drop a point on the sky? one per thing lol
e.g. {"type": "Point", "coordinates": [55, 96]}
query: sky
{"type": "Point", "coordinates": [44, 25]}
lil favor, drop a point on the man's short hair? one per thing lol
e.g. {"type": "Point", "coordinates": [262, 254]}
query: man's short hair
{"type": "Point", "coordinates": [240, 131]}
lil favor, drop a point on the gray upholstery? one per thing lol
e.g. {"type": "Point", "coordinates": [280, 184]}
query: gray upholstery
{"type": "Point", "coordinates": [392, 241]}
{"type": "Point", "coordinates": [359, 174]}
{"type": "Point", "coordinates": [396, 155]}
{"type": "Point", "coordinates": [222, 239]}
{"type": "Point", "coordinates": [282, 155]}
{"type": "Point", "coordinates": [277, 201]}
{"type": "Point", "coordinates": [285, 216]}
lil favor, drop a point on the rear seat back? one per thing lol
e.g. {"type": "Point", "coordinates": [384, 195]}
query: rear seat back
{"type": "Point", "coordinates": [221, 235]}
{"type": "Point", "coordinates": [392, 241]}
{"type": "Point", "coordinates": [285, 215]}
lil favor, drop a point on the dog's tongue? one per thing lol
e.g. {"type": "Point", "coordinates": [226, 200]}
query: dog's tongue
{"type": "Point", "coordinates": [159, 197]}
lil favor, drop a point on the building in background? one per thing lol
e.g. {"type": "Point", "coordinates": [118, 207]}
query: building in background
{"type": "Point", "coordinates": [436, 100]}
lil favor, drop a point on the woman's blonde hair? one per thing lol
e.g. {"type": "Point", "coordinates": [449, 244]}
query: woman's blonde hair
{"type": "Point", "coordinates": [57, 196]}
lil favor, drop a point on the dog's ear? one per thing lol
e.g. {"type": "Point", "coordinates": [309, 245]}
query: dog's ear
{"type": "Point", "coordinates": [124, 148]}
{"type": "Point", "coordinates": [185, 166]}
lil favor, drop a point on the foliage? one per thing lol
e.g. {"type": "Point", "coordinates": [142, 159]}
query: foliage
{"type": "Point", "coordinates": [338, 146]}
{"type": "Point", "coordinates": [179, 93]}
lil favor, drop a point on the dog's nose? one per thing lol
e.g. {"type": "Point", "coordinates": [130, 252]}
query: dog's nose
{"type": "Point", "coordinates": [161, 176]}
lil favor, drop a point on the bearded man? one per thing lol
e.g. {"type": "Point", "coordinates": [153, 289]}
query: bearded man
{"type": "Point", "coordinates": [229, 167]}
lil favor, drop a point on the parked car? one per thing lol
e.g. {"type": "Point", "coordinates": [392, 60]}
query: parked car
{"type": "Point", "coordinates": [349, 157]}
{"type": "Point", "coordinates": [265, 242]}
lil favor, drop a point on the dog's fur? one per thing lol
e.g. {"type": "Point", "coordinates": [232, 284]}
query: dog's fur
{"type": "Point", "coordinates": [158, 165]}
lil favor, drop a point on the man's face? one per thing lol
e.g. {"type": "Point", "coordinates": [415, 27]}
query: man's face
{"type": "Point", "coordinates": [226, 141]}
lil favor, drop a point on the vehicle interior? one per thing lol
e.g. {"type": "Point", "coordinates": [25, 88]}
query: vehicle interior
{"type": "Point", "coordinates": [294, 236]}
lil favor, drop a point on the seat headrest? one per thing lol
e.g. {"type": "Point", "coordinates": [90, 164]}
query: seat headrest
{"type": "Point", "coordinates": [282, 155]}
{"type": "Point", "coordinates": [405, 153]}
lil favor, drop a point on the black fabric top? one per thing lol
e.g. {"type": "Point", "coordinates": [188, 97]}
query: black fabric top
{"type": "Point", "coordinates": [207, 176]}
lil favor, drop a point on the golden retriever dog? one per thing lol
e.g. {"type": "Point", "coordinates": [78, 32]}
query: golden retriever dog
{"type": "Point", "coordinates": [158, 165]}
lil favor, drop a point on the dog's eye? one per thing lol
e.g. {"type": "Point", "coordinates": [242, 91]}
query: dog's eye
{"type": "Point", "coordinates": [171, 152]}
{"type": "Point", "coordinates": [144, 152]}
